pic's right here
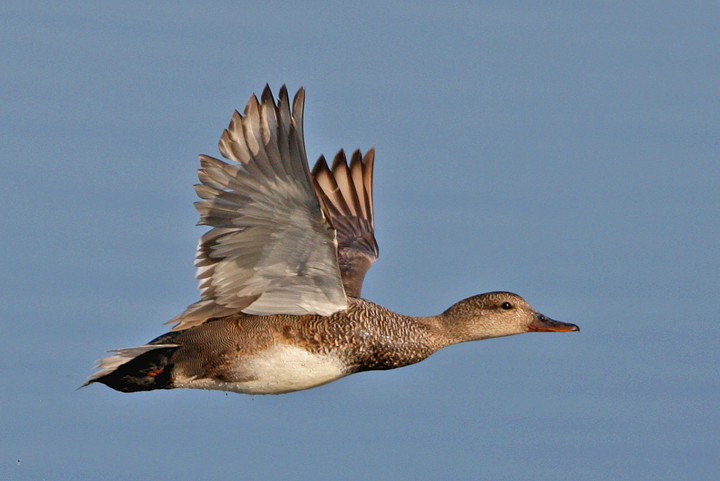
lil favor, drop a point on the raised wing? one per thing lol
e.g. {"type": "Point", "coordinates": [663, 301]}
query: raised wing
{"type": "Point", "coordinates": [346, 195]}
{"type": "Point", "coordinates": [270, 249]}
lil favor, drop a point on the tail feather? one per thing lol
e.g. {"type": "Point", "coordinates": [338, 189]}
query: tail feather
{"type": "Point", "coordinates": [142, 368]}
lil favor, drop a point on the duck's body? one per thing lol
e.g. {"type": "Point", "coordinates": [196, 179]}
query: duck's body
{"type": "Point", "coordinates": [281, 274]}
{"type": "Point", "coordinates": [282, 353]}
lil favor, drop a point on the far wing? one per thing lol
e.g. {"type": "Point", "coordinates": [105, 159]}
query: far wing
{"type": "Point", "coordinates": [270, 249]}
{"type": "Point", "coordinates": [347, 198]}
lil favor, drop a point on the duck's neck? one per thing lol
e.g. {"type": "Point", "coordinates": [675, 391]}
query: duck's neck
{"type": "Point", "coordinates": [449, 329]}
{"type": "Point", "coordinates": [413, 339]}
{"type": "Point", "coordinates": [452, 329]}
{"type": "Point", "coordinates": [387, 340]}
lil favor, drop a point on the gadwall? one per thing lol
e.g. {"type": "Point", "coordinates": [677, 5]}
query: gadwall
{"type": "Point", "coordinates": [281, 273]}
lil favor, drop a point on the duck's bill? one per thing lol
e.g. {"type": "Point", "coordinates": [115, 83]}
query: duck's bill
{"type": "Point", "coordinates": [545, 324]}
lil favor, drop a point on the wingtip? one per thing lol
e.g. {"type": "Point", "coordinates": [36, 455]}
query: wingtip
{"type": "Point", "coordinates": [320, 166]}
{"type": "Point", "coordinates": [339, 161]}
{"type": "Point", "coordinates": [252, 107]}
{"type": "Point", "coordinates": [299, 101]}
{"type": "Point", "coordinates": [356, 158]}
{"type": "Point", "coordinates": [267, 95]}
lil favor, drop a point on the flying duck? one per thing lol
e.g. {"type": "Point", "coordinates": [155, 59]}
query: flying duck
{"type": "Point", "coordinates": [281, 272]}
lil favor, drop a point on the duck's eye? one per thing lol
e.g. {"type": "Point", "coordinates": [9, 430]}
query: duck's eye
{"type": "Point", "coordinates": [506, 305]}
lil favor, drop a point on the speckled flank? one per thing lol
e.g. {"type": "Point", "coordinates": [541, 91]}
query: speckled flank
{"type": "Point", "coordinates": [276, 354]}
{"type": "Point", "coordinates": [365, 336]}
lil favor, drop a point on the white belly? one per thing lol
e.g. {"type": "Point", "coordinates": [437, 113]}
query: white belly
{"type": "Point", "coordinates": [283, 369]}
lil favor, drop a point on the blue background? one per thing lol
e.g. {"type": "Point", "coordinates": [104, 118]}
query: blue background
{"type": "Point", "coordinates": [566, 151]}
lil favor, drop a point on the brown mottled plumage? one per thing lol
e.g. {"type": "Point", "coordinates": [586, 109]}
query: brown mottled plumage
{"type": "Point", "coordinates": [281, 274]}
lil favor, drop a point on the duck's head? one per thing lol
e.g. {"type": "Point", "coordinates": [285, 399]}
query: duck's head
{"type": "Point", "coordinates": [497, 314]}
